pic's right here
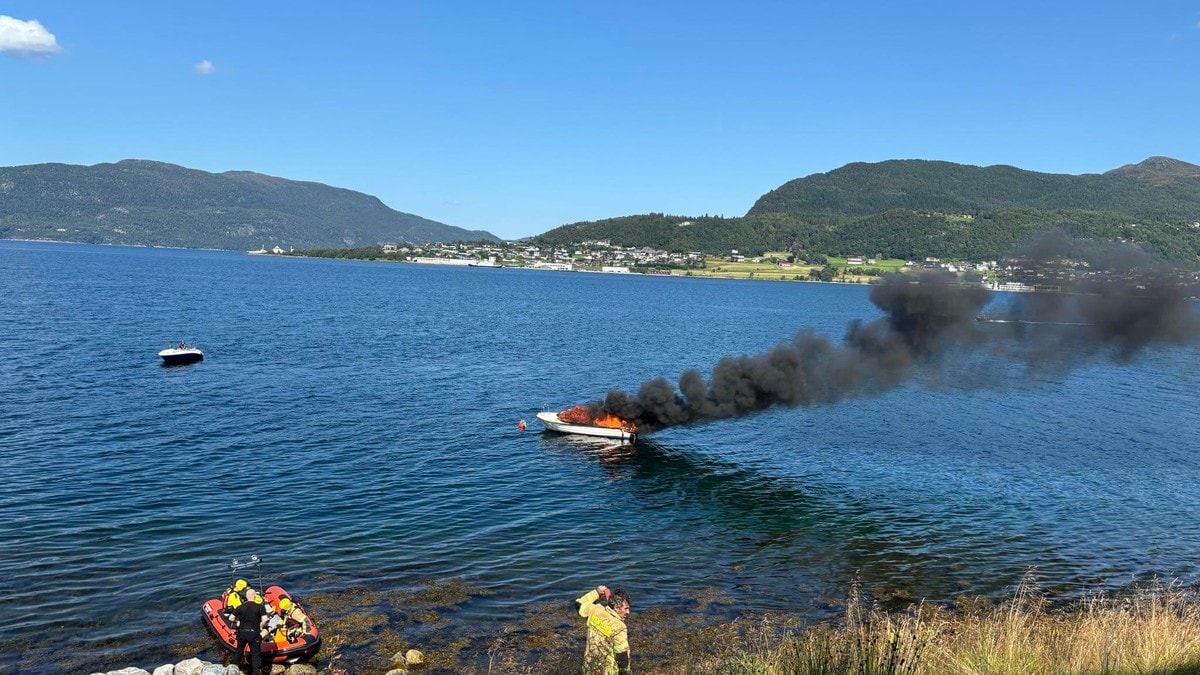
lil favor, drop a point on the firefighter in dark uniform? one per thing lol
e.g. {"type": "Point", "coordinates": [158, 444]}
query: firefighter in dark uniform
{"type": "Point", "coordinates": [251, 618]}
{"type": "Point", "coordinates": [607, 651]}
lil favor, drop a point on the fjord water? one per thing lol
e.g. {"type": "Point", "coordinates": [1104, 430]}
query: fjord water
{"type": "Point", "coordinates": [355, 424]}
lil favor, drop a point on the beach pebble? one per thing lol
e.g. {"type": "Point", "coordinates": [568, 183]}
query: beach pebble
{"type": "Point", "coordinates": [301, 669]}
{"type": "Point", "coordinates": [397, 671]}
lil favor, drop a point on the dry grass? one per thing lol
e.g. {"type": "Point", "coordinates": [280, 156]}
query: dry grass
{"type": "Point", "coordinates": [1152, 631]}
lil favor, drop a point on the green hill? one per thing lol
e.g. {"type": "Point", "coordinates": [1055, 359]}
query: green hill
{"type": "Point", "coordinates": [155, 204]}
{"type": "Point", "coordinates": [917, 208]}
{"type": "Point", "coordinates": [1158, 187]}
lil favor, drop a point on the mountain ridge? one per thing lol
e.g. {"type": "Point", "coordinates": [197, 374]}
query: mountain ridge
{"type": "Point", "coordinates": [903, 208]}
{"type": "Point", "coordinates": [914, 209]}
{"type": "Point", "coordinates": [153, 203]}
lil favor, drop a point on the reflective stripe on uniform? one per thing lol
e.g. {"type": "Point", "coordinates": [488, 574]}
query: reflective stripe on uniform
{"type": "Point", "coordinates": [597, 621]}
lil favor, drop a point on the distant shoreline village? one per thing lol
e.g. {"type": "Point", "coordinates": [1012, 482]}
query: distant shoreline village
{"type": "Point", "coordinates": [605, 258]}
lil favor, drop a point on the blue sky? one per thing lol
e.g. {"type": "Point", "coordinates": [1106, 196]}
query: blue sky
{"type": "Point", "coordinates": [518, 116]}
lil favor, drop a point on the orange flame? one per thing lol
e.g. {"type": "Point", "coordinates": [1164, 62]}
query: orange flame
{"type": "Point", "coordinates": [579, 415]}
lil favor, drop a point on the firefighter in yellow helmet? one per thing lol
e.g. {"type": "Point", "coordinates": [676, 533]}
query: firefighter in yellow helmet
{"type": "Point", "coordinates": [295, 621]}
{"type": "Point", "coordinates": [236, 594]}
{"type": "Point", "coordinates": [607, 651]}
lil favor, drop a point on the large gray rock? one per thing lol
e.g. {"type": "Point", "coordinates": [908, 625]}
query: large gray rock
{"type": "Point", "coordinates": [396, 671]}
{"type": "Point", "coordinates": [129, 671]}
{"type": "Point", "coordinates": [168, 669]}
{"type": "Point", "coordinates": [215, 669]}
{"type": "Point", "coordinates": [189, 667]}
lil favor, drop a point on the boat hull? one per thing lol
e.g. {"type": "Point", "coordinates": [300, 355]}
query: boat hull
{"type": "Point", "coordinates": [550, 421]}
{"type": "Point", "coordinates": [179, 357]}
{"type": "Point", "coordinates": [273, 650]}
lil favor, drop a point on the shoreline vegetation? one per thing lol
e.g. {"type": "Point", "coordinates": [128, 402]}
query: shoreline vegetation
{"type": "Point", "coordinates": [1150, 629]}
{"type": "Point", "coordinates": [1153, 629]}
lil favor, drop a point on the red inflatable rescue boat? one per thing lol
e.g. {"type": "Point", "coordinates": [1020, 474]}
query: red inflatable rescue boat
{"type": "Point", "coordinates": [276, 647]}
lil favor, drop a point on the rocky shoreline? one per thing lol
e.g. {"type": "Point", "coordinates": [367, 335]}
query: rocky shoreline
{"type": "Point", "coordinates": [195, 666]}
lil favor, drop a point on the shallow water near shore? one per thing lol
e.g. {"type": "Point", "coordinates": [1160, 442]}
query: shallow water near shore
{"type": "Point", "coordinates": [354, 424]}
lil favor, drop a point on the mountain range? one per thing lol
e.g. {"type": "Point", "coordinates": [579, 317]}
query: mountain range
{"type": "Point", "coordinates": [149, 203]}
{"type": "Point", "coordinates": [896, 209]}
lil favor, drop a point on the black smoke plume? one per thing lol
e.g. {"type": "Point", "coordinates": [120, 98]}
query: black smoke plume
{"type": "Point", "coordinates": [1097, 301]}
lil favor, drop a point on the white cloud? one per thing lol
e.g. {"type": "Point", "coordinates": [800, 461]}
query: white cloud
{"type": "Point", "coordinates": [26, 38]}
{"type": "Point", "coordinates": [205, 67]}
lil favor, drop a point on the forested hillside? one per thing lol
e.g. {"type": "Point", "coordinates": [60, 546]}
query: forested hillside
{"type": "Point", "coordinates": [155, 204]}
{"type": "Point", "coordinates": [915, 209]}
{"type": "Point", "coordinates": [861, 189]}
{"type": "Point", "coordinates": [908, 209]}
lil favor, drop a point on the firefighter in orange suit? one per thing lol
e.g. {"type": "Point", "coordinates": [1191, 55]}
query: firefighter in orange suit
{"type": "Point", "coordinates": [607, 651]}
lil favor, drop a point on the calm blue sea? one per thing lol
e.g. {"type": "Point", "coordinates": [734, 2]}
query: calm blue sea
{"type": "Point", "coordinates": [355, 423]}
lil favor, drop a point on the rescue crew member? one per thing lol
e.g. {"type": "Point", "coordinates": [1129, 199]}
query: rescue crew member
{"type": "Point", "coordinates": [295, 621]}
{"type": "Point", "coordinates": [607, 651]}
{"type": "Point", "coordinates": [251, 618]}
{"type": "Point", "coordinates": [236, 594]}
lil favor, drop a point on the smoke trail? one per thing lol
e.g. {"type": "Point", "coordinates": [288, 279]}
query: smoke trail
{"type": "Point", "coordinates": [1110, 301]}
{"type": "Point", "coordinates": [1118, 299]}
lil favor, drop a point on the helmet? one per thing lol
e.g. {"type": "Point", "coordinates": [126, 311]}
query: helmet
{"type": "Point", "coordinates": [240, 585]}
{"type": "Point", "coordinates": [285, 604]}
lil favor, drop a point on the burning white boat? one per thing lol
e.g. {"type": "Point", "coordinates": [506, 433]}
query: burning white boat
{"type": "Point", "coordinates": [578, 422]}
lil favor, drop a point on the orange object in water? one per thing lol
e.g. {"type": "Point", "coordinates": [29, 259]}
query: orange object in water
{"type": "Point", "coordinates": [520, 425]}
